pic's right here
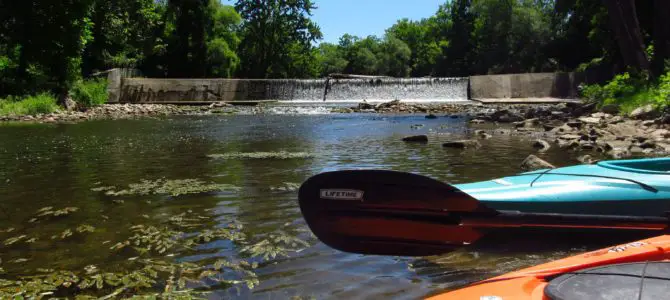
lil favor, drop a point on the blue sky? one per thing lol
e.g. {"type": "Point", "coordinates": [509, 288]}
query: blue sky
{"type": "Point", "coordinates": [366, 17]}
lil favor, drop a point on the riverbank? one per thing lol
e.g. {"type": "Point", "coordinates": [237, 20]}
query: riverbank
{"type": "Point", "coordinates": [127, 111]}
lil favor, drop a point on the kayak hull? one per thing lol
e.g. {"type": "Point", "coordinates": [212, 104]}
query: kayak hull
{"type": "Point", "coordinates": [605, 188]}
{"type": "Point", "coordinates": [531, 283]}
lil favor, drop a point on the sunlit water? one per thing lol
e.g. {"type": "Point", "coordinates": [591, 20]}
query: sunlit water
{"type": "Point", "coordinates": [58, 165]}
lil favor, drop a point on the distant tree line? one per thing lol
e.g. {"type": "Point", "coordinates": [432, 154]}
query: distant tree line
{"type": "Point", "coordinates": [49, 44]}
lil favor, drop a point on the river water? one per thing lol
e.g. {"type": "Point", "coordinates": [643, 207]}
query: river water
{"type": "Point", "coordinates": [60, 166]}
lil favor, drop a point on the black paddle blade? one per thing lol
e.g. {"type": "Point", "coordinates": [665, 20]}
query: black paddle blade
{"type": "Point", "coordinates": [386, 212]}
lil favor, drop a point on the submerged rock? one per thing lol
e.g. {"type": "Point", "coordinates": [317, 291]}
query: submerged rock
{"type": "Point", "coordinates": [533, 162]}
{"type": "Point", "coordinates": [431, 116]}
{"type": "Point", "coordinates": [422, 138]}
{"type": "Point", "coordinates": [542, 145]}
{"type": "Point", "coordinates": [586, 159]}
{"type": "Point", "coordinates": [462, 144]}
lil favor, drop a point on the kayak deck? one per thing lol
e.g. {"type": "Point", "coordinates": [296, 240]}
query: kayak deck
{"type": "Point", "coordinates": [530, 283]}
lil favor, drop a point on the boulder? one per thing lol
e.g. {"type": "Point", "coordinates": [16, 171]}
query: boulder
{"type": "Point", "coordinates": [613, 145]}
{"type": "Point", "coordinates": [533, 162]}
{"type": "Point", "coordinates": [574, 123]}
{"type": "Point", "coordinates": [611, 109]}
{"type": "Point", "coordinates": [422, 138]}
{"type": "Point", "coordinates": [482, 134]}
{"type": "Point", "coordinates": [620, 153]}
{"type": "Point", "coordinates": [542, 145]}
{"type": "Point", "coordinates": [645, 112]}
{"type": "Point", "coordinates": [590, 120]}
{"type": "Point", "coordinates": [462, 144]}
{"type": "Point", "coordinates": [586, 159]}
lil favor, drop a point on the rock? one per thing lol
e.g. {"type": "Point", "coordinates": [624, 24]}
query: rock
{"type": "Point", "coordinates": [563, 129]}
{"type": "Point", "coordinates": [505, 116]}
{"type": "Point", "coordinates": [527, 123]}
{"type": "Point", "coordinates": [660, 134]}
{"type": "Point", "coordinates": [601, 115]}
{"type": "Point", "coordinates": [586, 159]}
{"type": "Point", "coordinates": [586, 145]}
{"type": "Point", "coordinates": [579, 109]}
{"type": "Point", "coordinates": [482, 134]}
{"type": "Point", "coordinates": [462, 144]}
{"type": "Point", "coordinates": [664, 119]}
{"type": "Point", "coordinates": [645, 112]}
{"type": "Point", "coordinates": [612, 145]}
{"type": "Point", "coordinates": [574, 124]}
{"type": "Point", "coordinates": [533, 162]}
{"type": "Point", "coordinates": [542, 145]}
{"type": "Point", "coordinates": [477, 121]}
{"type": "Point", "coordinates": [590, 120]}
{"type": "Point", "coordinates": [454, 116]}
{"type": "Point", "coordinates": [615, 119]}
{"type": "Point", "coordinates": [611, 109]}
{"type": "Point", "coordinates": [69, 103]}
{"type": "Point", "coordinates": [620, 153]}
{"type": "Point", "coordinates": [569, 137]}
{"type": "Point", "coordinates": [431, 116]}
{"type": "Point", "coordinates": [416, 138]}
{"type": "Point", "coordinates": [647, 123]}
{"type": "Point", "coordinates": [636, 150]}
{"type": "Point", "coordinates": [548, 127]}
{"type": "Point", "coordinates": [647, 144]}
{"type": "Point", "coordinates": [663, 147]}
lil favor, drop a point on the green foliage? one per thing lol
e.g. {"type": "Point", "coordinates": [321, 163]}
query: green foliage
{"type": "Point", "coordinates": [271, 33]}
{"type": "Point", "coordinates": [630, 92]}
{"type": "Point", "coordinates": [43, 103]}
{"type": "Point", "coordinates": [89, 93]}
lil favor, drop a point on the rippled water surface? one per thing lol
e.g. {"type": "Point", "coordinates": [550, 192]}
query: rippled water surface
{"type": "Point", "coordinates": [59, 165]}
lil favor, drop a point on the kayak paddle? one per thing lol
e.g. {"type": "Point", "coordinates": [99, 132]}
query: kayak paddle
{"type": "Point", "coordinates": [396, 213]}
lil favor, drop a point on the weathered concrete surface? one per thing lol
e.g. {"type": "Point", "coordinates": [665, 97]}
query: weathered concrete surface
{"type": "Point", "coordinates": [528, 86]}
{"type": "Point", "coordinates": [146, 90]}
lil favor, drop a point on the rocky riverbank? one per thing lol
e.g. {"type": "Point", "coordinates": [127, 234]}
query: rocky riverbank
{"type": "Point", "coordinates": [128, 111]}
{"type": "Point", "coordinates": [574, 127]}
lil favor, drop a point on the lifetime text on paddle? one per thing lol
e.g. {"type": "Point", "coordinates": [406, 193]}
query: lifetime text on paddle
{"type": "Point", "coordinates": [340, 194]}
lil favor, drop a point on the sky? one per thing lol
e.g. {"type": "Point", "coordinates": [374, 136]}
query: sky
{"type": "Point", "coordinates": [365, 17]}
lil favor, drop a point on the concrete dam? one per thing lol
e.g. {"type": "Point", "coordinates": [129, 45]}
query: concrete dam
{"type": "Point", "coordinates": [124, 89]}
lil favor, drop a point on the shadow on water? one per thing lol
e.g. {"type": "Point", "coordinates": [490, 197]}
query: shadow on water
{"type": "Point", "coordinates": [59, 165]}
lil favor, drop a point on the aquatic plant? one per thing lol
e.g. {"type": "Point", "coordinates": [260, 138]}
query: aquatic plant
{"type": "Point", "coordinates": [150, 270]}
{"type": "Point", "coordinates": [286, 187]}
{"type": "Point", "coordinates": [170, 187]}
{"type": "Point", "coordinates": [262, 155]}
{"type": "Point", "coordinates": [48, 212]}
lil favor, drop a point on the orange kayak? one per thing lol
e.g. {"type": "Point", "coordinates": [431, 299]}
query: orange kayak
{"type": "Point", "coordinates": [637, 270]}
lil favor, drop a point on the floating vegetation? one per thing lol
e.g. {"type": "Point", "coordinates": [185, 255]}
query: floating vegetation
{"type": "Point", "coordinates": [168, 187]}
{"type": "Point", "coordinates": [276, 244]}
{"type": "Point", "coordinates": [286, 187]}
{"type": "Point", "coordinates": [49, 212]}
{"type": "Point", "coordinates": [262, 155]}
{"type": "Point", "coordinates": [150, 270]}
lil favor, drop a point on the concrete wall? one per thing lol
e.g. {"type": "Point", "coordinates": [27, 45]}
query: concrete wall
{"type": "Point", "coordinates": [150, 90]}
{"type": "Point", "coordinates": [530, 85]}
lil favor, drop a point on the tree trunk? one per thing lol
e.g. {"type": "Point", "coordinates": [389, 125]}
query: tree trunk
{"type": "Point", "coordinates": [623, 19]}
{"type": "Point", "coordinates": [661, 35]}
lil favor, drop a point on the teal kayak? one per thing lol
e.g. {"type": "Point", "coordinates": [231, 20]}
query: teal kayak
{"type": "Point", "coordinates": [639, 187]}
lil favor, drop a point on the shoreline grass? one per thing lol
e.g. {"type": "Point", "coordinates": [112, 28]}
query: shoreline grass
{"type": "Point", "coordinates": [43, 103]}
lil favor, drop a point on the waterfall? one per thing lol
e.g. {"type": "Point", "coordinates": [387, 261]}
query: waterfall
{"type": "Point", "coordinates": [371, 90]}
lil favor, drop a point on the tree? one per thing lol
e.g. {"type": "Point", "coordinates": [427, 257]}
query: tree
{"type": "Point", "coordinates": [271, 31]}
{"type": "Point", "coordinates": [47, 39]}
{"type": "Point", "coordinates": [331, 59]}
{"type": "Point", "coordinates": [623, 17]}
{"type": "Point", "coordinates": [187, 49]}
{"type": "Point", "coordinates": [661, 35]}
{"type": "Point", "coordinates": [424, 49]}
{"type": "Point", "coordinates": [222, 40]}
{"type": "Point", "coordinates": [394, 57]}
